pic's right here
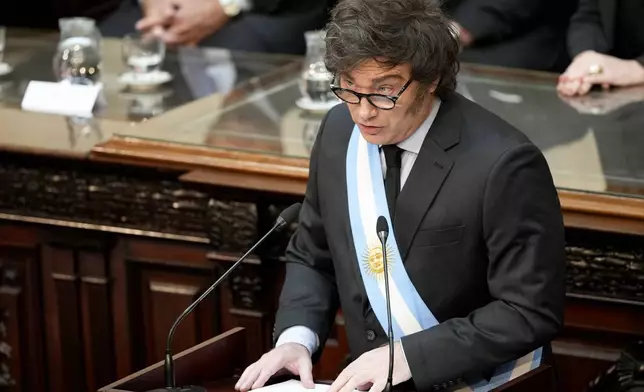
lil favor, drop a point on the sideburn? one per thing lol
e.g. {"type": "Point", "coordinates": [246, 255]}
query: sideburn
{"type": "Point", "coordinates": [419, 100]}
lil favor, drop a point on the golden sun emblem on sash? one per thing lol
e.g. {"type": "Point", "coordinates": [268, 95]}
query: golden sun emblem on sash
{"type": "Point", "coordinates": [373, 262]}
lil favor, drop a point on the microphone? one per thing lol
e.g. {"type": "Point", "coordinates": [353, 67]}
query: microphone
{"type": "Point", "coordinates": [287, 216]}
{"type": "Point", "coordinates": [382, 228]}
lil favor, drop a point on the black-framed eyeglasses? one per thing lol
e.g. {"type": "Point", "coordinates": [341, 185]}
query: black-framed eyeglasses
{"type": "Point", "coordinates": [380, 101]}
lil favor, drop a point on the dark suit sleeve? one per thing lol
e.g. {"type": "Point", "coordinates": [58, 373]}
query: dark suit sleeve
{"type": "Point", "coordinates": [523, 230]}
{"type": "Point", "coordinates": [496, 20]}
{"type": "Point", "coordinates": [287, 6]}
{"type": "Point", "coordinates": [309, 295]}
{"type": "Point", "coordinates": [585, 31]}
{"type": "Point", "coordinates": [266, 6]}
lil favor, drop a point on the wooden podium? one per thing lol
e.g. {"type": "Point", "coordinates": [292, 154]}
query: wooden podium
{"type": "Point", "coordinates": [215, 364]}
{"type": "Point", "coordinates": [212, 364]}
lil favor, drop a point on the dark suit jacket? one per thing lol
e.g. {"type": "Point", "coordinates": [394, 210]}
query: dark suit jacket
{"type": "Point", "coordinates": [515, 33]}
{"type": "Point", "coordinates": [480, 231]}
{"type": "Point", "coordinates": [592, 27]}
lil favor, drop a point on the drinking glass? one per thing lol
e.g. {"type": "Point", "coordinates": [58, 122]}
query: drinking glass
{"type": "Point", "coordinates": [143, 53]}
{"type": "Point", "coordinates": [315, 80]}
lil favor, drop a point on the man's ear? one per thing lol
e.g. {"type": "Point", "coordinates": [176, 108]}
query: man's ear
{"type": "Point", "coordinates": [432, 87]}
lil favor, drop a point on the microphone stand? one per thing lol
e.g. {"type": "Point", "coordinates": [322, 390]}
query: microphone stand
{"type": "Point", "coordinates": [168, 364]}
{"type": "Point", "coordinates": [382, 235]}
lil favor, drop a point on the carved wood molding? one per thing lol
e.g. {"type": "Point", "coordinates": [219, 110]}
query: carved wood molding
{"type": "Point", "coordinates": [173, 288]}
{"type": "Point", "coordinates": [142, 152]}
{"type": "Point", "coordinates": [288, 175]}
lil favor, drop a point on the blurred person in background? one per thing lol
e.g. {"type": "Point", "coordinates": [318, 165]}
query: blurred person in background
{"type": "Point", "coordinates": [606, 40]}
{"type": "Point", "coordinates": [526, 34]}
{"type": "Point", "coordinates": [269, 26]}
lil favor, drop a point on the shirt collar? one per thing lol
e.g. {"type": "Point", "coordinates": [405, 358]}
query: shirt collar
{"type": "Point", "coordinates": [415, 141]}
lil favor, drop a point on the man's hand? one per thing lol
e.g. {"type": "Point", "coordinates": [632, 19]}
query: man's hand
{"type": "Point", "coordinates": [157, 15]}
{"type": "Point", "coordinates": [371, 370]}
{"type": "Point", "coordinates": [193, 21]}
{"type": "Point", "coordinates": [590, 68]}
{"type": "Point", "coordinates": [290, 356]}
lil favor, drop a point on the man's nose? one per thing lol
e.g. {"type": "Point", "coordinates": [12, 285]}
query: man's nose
{"type": "Point", "coordinates": [367, 110]}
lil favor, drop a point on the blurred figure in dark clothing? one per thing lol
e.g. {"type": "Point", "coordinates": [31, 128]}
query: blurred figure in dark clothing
{"type": "Point", "coordinates": [526, 34]}
{"type": "Point", "coordinates": [606, 39]}
{"type": "Point", "coordinates": [269, 26]}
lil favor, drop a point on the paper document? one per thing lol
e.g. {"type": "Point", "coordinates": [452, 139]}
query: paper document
{"type": "Point", "coordinates": [292, 386]}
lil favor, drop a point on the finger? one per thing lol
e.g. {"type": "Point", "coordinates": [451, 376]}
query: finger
{"type": "Point", "coordinates": [340, 381]}
{"type": "Point", "coordinates": [562, 88]}
{"type": "Point", "coordinates": [606, 86]}
{"type": "Point", "coordinates": [159, 18]}
{"type": "Point", "coordinates": [569, 88]}
{"type": "Point", "coordinates": [584, 88]}
{"type": "Point", "coordinates": [264, 375]}
{"type": "Point", "coordinates": [575, 86]}
{"type": "Point", "coordinates": [305, 370]}
{"type": "Point", "coordinates": [152, 20]}
{"type": "Point", "coordinates": [244, 377]}
{"type": "Point", "coordinates": [147, 23]}
{"type": "Point", "coordinates": [602, 78]}
{"type": "Point", "coordinates": [178, 34]}
{"type": "Point", "coordinates": [249, 379]}
{"type": "Point", "coordinates": [354, 382]}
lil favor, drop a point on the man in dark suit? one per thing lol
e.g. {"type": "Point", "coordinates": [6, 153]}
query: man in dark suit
{"type": "Point", "coordinates": [270, 26]}
{"type": "Point", "coordinates": [526, 34]}
{"type": "Point", "coordinates": [606, 41]}
{"type": "Point", "coordinates": [476, 250]}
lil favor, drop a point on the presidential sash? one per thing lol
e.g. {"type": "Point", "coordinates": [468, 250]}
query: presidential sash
{"type": "Point", "coordinates": [409, 313]}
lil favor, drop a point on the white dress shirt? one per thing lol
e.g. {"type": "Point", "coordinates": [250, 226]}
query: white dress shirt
{"type": "Point", "coordinates": [411, 147]}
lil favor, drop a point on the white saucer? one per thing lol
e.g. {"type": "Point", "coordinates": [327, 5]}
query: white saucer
{"type": "Point", "coordinates": [306, 104]}
{"type": "Point", "coordinates": [145, 80]}
{"type": "Point", "coordinates": [5, 69]}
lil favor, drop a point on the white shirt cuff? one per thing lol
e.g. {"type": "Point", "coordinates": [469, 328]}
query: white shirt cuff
{"type": "Point", "coordinates": [301, 335]}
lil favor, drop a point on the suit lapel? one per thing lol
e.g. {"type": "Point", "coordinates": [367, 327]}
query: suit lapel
{"type": "Point", "coordinates": [430, 170]}
{"type": "Point", "coordinates": [607, 10]}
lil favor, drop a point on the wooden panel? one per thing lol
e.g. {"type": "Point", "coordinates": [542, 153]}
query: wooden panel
{"type": "Point", "coordinates": [62, 310]}
{"type": "Point", "coordinates": [248, 299]}
{"type": "Point", "coordinates": [11, 349]}
{"type": "Point", "coordinates": [163, 278]}
{"type": "Point", "coordinates": [121, 300]}
{"type": "Point", "coordinates": [21, 335]}
{"type": "Point", "coordinates": [164, 296]}
{"type": "Point", "coordinates": [96, 319]}
{"type": "Point", "coordinates": [605, 316]}
{"type": "Point", "coordinates": [578, 363]}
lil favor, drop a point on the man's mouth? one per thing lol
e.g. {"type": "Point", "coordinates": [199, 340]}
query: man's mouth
{"type": "Point", "coordinates": [368, 129]}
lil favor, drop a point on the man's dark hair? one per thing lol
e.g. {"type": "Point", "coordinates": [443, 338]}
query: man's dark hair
{"type": "Point", "coordinates": [394, 32]}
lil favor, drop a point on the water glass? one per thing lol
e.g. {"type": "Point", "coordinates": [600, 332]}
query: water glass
{"type": "Point", "coordinates": [315, 79]}
{"type": "Point", "coordinates": [143, 53]}
{"type": "Point", "coordinates": [3, 36]}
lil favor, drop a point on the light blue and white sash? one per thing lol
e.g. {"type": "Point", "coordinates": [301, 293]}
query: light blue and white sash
{"type": "Point", "coordinates": [409, 313]}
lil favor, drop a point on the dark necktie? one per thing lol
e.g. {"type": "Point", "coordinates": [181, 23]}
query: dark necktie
{"type": "Point", "coordinates": [393, 158]}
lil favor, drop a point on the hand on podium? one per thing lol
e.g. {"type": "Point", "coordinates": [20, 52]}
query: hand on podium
{"type": "Point", "coordinates": [369, 371]}
{"type": "Point", "coordinates": [290, 356]}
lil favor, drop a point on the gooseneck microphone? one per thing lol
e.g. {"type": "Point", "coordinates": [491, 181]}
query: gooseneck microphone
{"type": "Point", "coordinates": [382, 229]}
{"type": "Point", "coordinates": [287, 216]}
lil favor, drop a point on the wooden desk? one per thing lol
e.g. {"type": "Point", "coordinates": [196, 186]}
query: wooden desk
{"type": "Point", "coordinates": [108, 229]}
